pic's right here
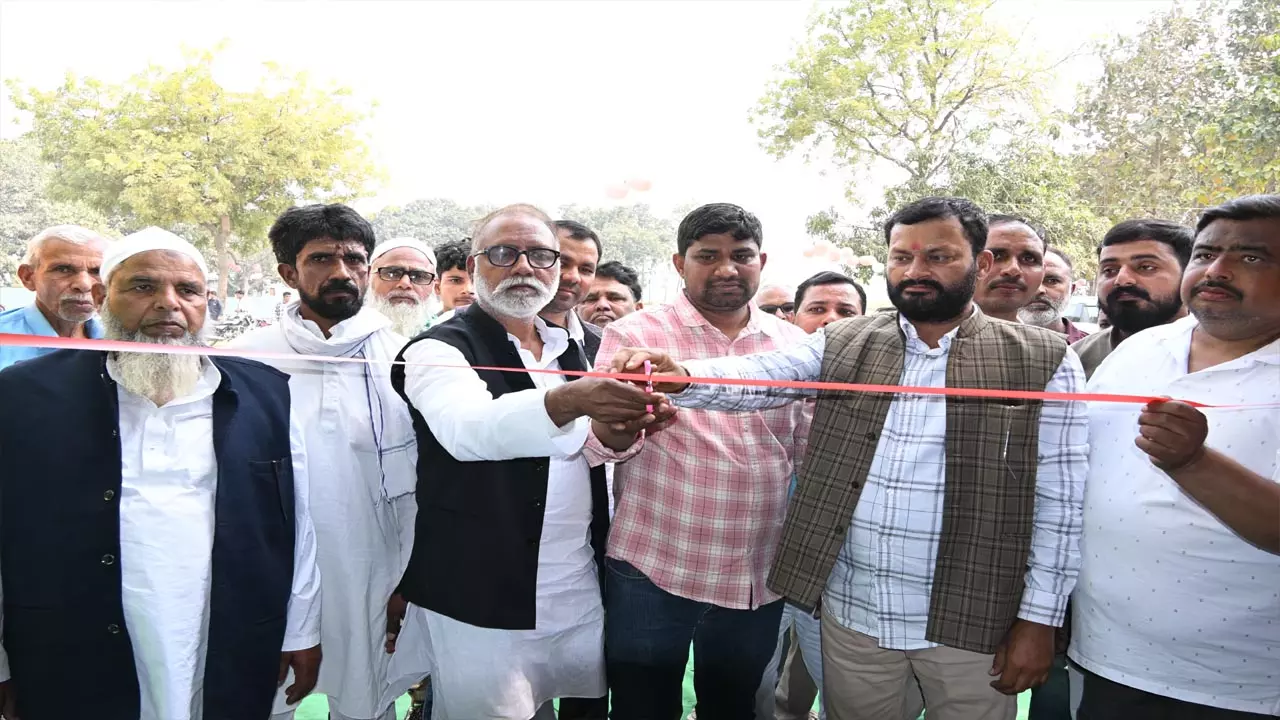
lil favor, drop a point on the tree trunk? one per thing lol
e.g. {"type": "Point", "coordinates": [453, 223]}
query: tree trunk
{"type": "Point", "coordinates": [221, 238]}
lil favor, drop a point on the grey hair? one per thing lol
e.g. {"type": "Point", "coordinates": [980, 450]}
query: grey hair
{"type": "Point", "coordinates": [73, 234]}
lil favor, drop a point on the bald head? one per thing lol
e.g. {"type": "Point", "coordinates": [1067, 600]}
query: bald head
{"type": "Point", "coordinates": [776, 299]}
{"type": "Point", "coordinates": [483, 232]}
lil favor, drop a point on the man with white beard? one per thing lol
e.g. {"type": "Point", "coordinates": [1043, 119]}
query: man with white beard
{"type": "Point", "coordinates": [1045, 308]}
{"type": "Point", "coordinates": [509, 510]}
{"type": "Point", "coordinates": [61, 267]}
{"type": "Point", "coordinates": [154, 533]}
{"type": "Point", "coordinates": [403, 284]}
{"type": "Point", "coordinates": [361, 454]}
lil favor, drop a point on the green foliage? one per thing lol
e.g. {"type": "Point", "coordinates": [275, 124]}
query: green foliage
{"type": "Point", "coordinates": [1241, 142]}
{"type": "Point", "coordinates": [431, 220]}
{"type": "Point", "coordinates": [630, 234]}
{"type": "Point", "coordinates": [26, 208]}
{"type": "Point", "coordinates": [173, 146]}
{"type": "Point", "coordinates": [1141, 118]}
{"type": "Point", "coordinates": [907, 83]}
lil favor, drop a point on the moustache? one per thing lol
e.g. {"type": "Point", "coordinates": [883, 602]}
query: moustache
{"type": "Point", "coordinates": [1135, 292]}
{"type": "Point", "coordinates": [339, 286]}
{"type": "Point", "coordinates": [934, 284]}
{"type": "Point", "coordinates": [1217, 285]}
{"type": "Point", "coordinates": [1014, 284]}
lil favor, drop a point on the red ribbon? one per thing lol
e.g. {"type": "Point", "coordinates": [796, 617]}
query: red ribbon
{"type": "Point", "coordinates": [61, 343]}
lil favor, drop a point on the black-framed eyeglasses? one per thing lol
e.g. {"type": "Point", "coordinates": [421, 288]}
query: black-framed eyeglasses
{"type": "Point", "coordinates": [506, 256]}
{"type": "Point", "coordinates": [787, 308]}
{"type": "Point", "coordinates": [417, 277]}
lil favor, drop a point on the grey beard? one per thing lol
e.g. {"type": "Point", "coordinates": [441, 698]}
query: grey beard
{"type": "Point", "coordinates": [406, 320]}
{"type": "Point", "coordinates": [500, 301]}
{"type": "Point", "coordinates": [1042, 318]}
{"type": "Point", "coordinates": [159, 377]}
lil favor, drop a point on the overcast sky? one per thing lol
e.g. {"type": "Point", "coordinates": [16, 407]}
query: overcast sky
{"type": "Point", "coordinates": [533, 101]}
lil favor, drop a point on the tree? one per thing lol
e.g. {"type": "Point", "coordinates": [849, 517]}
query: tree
{"type": "Point", "coordinates": [173, 146]}
{"type": "Point", "coordinates": [431, 220]}
{"type": "Point", "coordinates": [1142, 118]}
{"type": "Point", "coordinates": [1241, 140]}
{"type": "Point", "coordinates": [1030, 179]}
{"type": "Point", "coordinates": [26, 208]}
{"type": "Point", "coordinates": [908, 83]}
{"type": "Point", "coordinates": [630, 234]}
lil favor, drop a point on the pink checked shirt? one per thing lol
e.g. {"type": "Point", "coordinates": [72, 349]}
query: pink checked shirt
{"type": "Point", "coordinates": [699, 508]}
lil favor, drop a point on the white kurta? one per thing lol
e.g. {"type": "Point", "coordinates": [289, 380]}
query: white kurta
{"type": "Point", "coordinates": [167, 499]}
{"type": "Point", "coordinates": [487, 673]}
{"type": "Point", "coordinates": [364, 526]}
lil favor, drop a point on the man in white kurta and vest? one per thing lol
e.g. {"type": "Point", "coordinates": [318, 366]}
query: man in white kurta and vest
{"type": "Point", "coordinates": [361, 450]}
{"type": "Point", "coordinates": [155, 544]}
{"type": "Point", "coordinates": [511, 519]}
{"type": "Point", "coordinates": [940, 534]}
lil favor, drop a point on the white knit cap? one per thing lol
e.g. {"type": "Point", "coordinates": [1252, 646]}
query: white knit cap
{"type": "Point", "coordinates": [404, 242]}
{"type": "Point", "coordinates": [146, 240]}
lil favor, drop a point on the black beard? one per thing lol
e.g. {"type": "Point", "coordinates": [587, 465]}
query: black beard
{"type": "Point", "coordinates": [946, 305]}
{"type": "Point", "coordinates": [1130, 318]}
{"type": "Point", "coordinates": [338, 309]}
{"type": "Point", "coordinates": [724, 301]}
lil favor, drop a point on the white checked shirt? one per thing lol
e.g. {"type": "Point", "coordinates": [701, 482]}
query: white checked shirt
{"type": "Point", "coordinates": [882, 580]}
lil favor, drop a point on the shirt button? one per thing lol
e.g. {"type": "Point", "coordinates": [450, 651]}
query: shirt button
{"type": "Point", "coordinates": [108, 559]}
{"type": "Point", "coordinates": [115, 433]}
{"type": "Point", "coordinates": [109, 495]}
{"type": "Point", "coordinates": [114, 629]}
{"type": "Point", "coordinates": [871, 436]}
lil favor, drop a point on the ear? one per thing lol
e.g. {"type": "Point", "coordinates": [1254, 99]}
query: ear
{"type": "Point", "coordinates": [99, 293]}
{"type": "Point", "coordinates": [985, 261]}
{"type": "Point", "coordinates": [288, 273]}
{"type": "Point", "coordinates": [27, 274]}
{"type": "Point", "coordinates": [639, 305]}
{"type": "Point", "coordinates": [471, 265]}
{"type": "Point", "coordinates": [678, 260]}
{"type": "Point", "coordinates": [764, 258]}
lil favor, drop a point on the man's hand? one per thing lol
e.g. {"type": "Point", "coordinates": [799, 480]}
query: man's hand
{"type": "Point", "coordinates": [1172, 433]}
{"type": "Point", "coordinates": [620, 436]}
{"type": "Point", "coordinates": [1025, 657]}
{"type": "Point", "coordinates": [8, 701]}
{"type": "Point", "coordinates": [631, 360]}
{"type": "Point", "coordinates": [306, 671]}
{"type": "Point", "coordinates": [396, 608]}
{"type": "Point", "coordinates": [602, 399]}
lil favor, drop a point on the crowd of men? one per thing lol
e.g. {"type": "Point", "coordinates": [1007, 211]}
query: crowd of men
{"type": "Point", "coordinates": [405, 492]}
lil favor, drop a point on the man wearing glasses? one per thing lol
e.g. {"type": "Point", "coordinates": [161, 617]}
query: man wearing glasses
{"type": "Point", "coordinates": [403, 284]}
{"type": "Point", "coordinates": [777, 300]}
{"type": "Point", "coordinates": [512, 519]}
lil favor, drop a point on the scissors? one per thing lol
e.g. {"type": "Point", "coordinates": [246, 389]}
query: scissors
{"type": "Point", "coordinates": [648, 370]}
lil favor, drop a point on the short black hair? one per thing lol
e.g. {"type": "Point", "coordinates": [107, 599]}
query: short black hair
{"type": "Point", "coordinates": [453, 255]}
{"type": "Point", "coordinates": [828, 277]}
{"type": "Point", "coordinates": [300, 225]}
{"type": "Point", "coordinates": [578, 231]}
{"type": "Point", "coordinates": [623, 274]}
{"type": "Point", "coordinates": [716, 219]}
{"type": "Point", "coordinates": [1178, 237]}
{"type": "Point", "coordinates": [1058, 251]}
{"type": "Point", "coordinates": [971, 217]}
{"type": "Point", "coordinates": [1249, 207]}
{"type": "Point", "coordinates": [1001, 219]}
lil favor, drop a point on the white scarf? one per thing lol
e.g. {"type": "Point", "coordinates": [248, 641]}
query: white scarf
{"type": "Point", "coordinates": [366, 335]}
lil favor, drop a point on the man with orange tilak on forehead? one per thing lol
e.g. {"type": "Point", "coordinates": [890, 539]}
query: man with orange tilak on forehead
{"type": "Point", "coordinates": [154, 534]}
{"type": "Point", "coordinates": [940, 534]}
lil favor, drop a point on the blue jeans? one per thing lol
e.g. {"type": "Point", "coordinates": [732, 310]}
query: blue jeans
{"type": "Point", "coordinates": [647, 635]}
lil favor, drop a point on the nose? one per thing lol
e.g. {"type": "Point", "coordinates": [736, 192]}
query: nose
{"type": "Point", "coordinates": [919, 268]}
{"type": "Point", "coordinates": [404, 282]}
{"type": "Point", "coordinates": [1218, 269]}
{"type": "Point", "coordinates": [167, 299]}
{"type": "Point", "coordinates": [601, 304]}
{"type": "Point", "coordinates": [830, 318]}
{"type": "Point", "coordinates": [726, 269]}
{"type": "Point", "coordinates": [1125, 277]}
{"type": "Point", "coordinates": [84, 281]}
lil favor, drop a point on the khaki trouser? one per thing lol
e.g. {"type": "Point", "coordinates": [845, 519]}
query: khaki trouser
{"type": "Point", "coordinates": [862, 681]}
